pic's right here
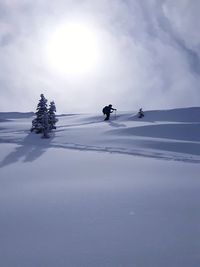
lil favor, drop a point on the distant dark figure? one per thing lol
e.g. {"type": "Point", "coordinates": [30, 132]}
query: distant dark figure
{"type": "Point", "coordinates": [140, 113]}
{"type": "Point", "coordinates": [107, 110]}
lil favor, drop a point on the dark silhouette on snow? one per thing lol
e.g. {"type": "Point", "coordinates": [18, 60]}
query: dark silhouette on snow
{"type": "Point", "coordinates": [45, 118]}
{"type": "Point", "coordinates": [140, 113]}
{"type": "Point", "coordinates": [107, 110]}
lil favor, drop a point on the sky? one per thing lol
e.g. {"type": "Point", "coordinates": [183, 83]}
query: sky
{"type": "Point", "coordinates": [128, 53]}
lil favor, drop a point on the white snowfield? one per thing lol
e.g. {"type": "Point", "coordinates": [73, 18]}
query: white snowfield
{"type": "Point", "coordinates": [122, 193]}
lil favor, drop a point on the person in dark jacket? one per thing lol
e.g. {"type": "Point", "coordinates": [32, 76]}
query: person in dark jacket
{"type": "Point", "coordinates": [107, 110]}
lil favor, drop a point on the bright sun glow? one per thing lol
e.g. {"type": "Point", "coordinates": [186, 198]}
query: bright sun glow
{"type": "Point", "coordinates": [73, 49]}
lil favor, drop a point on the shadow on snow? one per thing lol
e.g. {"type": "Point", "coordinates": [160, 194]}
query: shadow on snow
{"type": "Point", "coordinates": [29, 149]}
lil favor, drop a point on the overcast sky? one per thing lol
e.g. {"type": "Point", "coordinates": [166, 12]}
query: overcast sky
{"type": "Point", "coordinates": [148, 50]}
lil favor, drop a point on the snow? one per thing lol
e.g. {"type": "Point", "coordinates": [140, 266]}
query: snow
{"type": "Point", "coordinates": [122, 193]}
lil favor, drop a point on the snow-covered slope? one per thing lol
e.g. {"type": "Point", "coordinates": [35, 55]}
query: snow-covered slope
{"type": "Point", "coordinates": [101, 194]}
{"type": "Point", "coordinates": [170, 134]}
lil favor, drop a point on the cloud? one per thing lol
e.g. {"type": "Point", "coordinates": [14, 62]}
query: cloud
{"type": "Point", "coordinates": [150, 54]}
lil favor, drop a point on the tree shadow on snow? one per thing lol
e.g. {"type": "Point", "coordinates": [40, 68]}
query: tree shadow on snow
{"type": "Point", "coordinates": [30, 148]}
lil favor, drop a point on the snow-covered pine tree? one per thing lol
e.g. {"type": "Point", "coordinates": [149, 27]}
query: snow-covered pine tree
{"type": "Point", "coordinates": [39, 124]}
{"type": "Point", "coordinates": [45, 125]}
{"type": "Point", "coordinates": [52, 116]}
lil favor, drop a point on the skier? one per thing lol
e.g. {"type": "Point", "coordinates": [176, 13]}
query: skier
{"type": "Point", "coordinates": [140, 113]}
{"type": "Point", "coordinates": [107, 110]}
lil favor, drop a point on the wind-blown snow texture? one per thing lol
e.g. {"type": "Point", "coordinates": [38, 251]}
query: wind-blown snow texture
{"type": "Point", "coordinates": [122, 193]}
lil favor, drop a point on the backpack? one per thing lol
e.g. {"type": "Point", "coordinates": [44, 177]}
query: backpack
{"type": "Point", "coordinates": [104, 110]}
